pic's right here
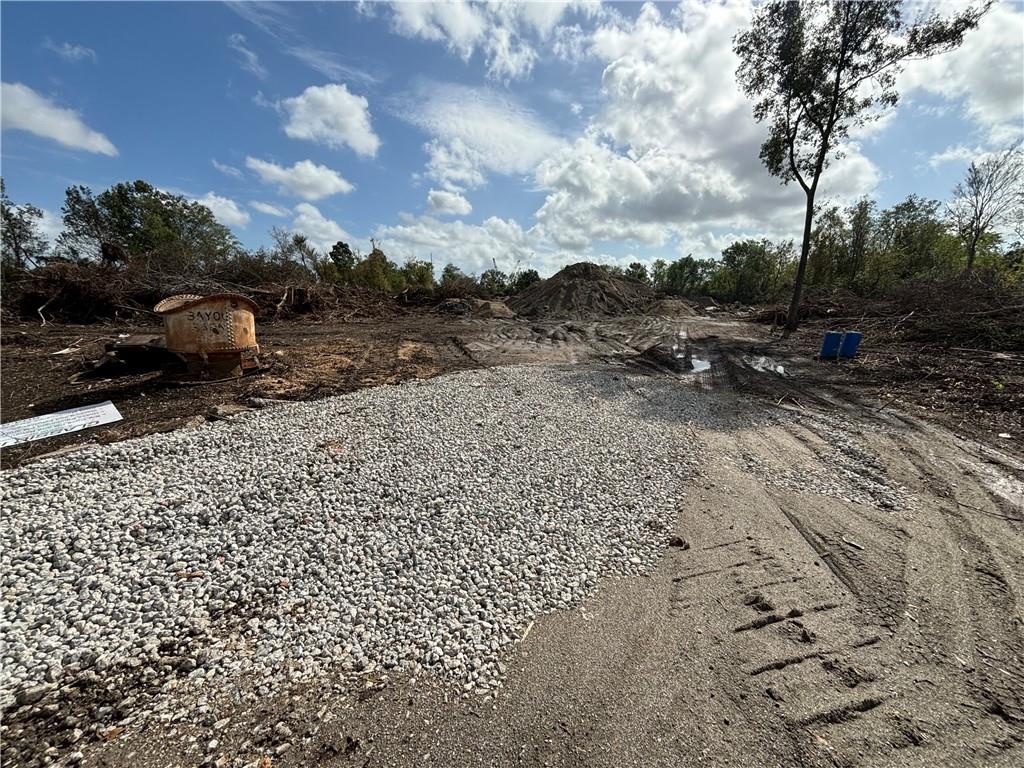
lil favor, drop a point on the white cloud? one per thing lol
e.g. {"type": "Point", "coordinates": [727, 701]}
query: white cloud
{"type": "Point", "coordinates": [443, 202]}
{"type": "Point", "coordinates": [476, 247]}
{"type": "Point", "coordinates": [986, 72]}
{"type": "Point", "coordinates": [321, 231]}
{"type": "Point", "coordinates": [227, 170]}
{"type": "Point", "coordinates": [248, 59]}
{"type": "Point", "coordinates": [70, 51]}
{"type": "Point", "coordinates": [225, 209]}
{"type": "Point", "coordinates": [329, 64]}
{"type": "Point", "coordinates": [476, 130]}
{"type": "Point", "coordinates": [507, 34]}
{"type": "Point", "coordinates": [958, 153]}
{"type": "Point", "coordinates": [673, 154]}
{"type": "Point", "coordinates": [277, 21]}
{"type": "Point", "coordinates": [330, 115]}
{"type": "Point", "coordinates": [26, 110]}
{"type": "Point", "coordinates": [51, 225]}
{"type": "Point", "coordinates": [268, 209]}
{"type": "Point", "coordinates": [470, 247]}
{"type": "Point", "coordinates": [305, 179]}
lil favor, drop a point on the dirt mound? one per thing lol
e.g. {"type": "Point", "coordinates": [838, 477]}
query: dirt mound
{"type": "Point", "coordinates": [483, 308]}
{"type": "Point", "coordinates": [673, 307]}
{"type": "Point", "coordinates": [583, 291]}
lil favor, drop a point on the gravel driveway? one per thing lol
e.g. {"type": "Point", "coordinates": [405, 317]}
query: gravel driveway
{"type": "Point", "coordinates": [419, 575]}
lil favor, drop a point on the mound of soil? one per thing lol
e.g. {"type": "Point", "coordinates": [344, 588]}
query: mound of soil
{"type": "Point", "coordinates": [582, 291]}
{"type": "Point", "coordinates": [492, 309]}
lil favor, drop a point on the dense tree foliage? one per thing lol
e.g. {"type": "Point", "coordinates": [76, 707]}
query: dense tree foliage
{"type": "Point", "coordinates": [858, 249]}
{"type": "Point", "coordinates": [135, 221]}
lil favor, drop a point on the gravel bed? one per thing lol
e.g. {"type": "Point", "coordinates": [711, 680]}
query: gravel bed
{"type": "Point", "coordinates": [424, 524]}
{"type": "Point", "coordinates": [843, 468]}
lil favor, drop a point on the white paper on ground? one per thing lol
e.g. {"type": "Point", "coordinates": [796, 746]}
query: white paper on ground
{"type": "Point", "coordinates": [60, 423]}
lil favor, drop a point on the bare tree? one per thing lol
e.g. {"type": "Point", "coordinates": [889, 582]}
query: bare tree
{"type": "Point", "coordinates": [818, 68]}
{"type": "Point", "coordinates": [990, 196]}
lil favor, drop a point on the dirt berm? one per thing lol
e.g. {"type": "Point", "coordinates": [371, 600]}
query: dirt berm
{"type": "Point", "coordinates": [582, 291]}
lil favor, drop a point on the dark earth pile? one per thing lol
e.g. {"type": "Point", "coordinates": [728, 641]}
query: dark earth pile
{"type": "Point", "coordinates": [582, 291]}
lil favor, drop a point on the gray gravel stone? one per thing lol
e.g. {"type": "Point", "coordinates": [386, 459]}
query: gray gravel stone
{"type": "Point", "coordinates": [423, 525]}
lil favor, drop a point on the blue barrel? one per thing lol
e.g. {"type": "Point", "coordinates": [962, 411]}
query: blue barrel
{"type": "Point", "coordinates": [851, 340]}
{"type": "Point", "coordinates": [830, 345]}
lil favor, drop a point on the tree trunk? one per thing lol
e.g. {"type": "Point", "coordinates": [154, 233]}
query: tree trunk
{"type": "Point", "coordinates": [972, 249]}
{"type": "Point", "coordinates": [792, 319]}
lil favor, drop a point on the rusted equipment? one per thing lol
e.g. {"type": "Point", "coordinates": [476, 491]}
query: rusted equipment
{"type": "Point", "coordinates": [215, 335]}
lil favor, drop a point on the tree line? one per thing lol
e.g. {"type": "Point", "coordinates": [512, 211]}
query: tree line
{"type": "Point", "coordinates": [858, 248]}
{"type": "Point", "coordinates": [134, 225]}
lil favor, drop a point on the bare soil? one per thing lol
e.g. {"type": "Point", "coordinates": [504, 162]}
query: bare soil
{"type": "Point", "coordinates": [582, 291]}
{"type": "Point", "coordinates": [786, 627]}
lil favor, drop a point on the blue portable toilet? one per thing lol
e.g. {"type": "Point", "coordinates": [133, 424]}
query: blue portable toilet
{"type": "Point", "coordinates": [851, 341]}
{"type": "Point", "coordinates": [830, 345]}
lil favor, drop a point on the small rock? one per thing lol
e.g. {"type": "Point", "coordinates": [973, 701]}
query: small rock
{"type": "Point", "coordinates": [28, 696]}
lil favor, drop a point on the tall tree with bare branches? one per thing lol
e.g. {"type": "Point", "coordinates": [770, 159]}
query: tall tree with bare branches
{"type": "Point", "coordinates": [818, 68]}
{"type": "Point", "coordinates": [990, 196]}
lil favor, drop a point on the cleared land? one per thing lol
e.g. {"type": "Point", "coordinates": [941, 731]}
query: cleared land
{"type": "Point", "coordinates": [813, 579]}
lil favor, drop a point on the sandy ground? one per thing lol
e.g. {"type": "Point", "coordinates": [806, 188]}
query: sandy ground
{"type": "Point", "coordinates": [806, 620]}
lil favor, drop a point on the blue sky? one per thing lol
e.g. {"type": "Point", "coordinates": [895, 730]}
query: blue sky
{"type": "Point", "coordinates": [531, 134]}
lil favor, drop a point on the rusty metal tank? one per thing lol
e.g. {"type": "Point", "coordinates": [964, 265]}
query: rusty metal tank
{"type": "Point", "coordinates": [215, 335]}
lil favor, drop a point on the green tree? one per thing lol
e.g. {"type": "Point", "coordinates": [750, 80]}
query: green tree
{"type": "Point", "coordinates": [344, 260]}
{"type": "Point", "coordinates": [688, 275]}
{"type": "Point", "coordinates": [455, 283]}
{"type": "Point", "coordinates": [861, 217]}
{"type": "Point", "coordinates": [378, 272]}
{"type": "Point", "coordinates": [658, 269]}
{"type": "Point", "coordinates": [23, 244]}
{"type": "Point", "coordinates": [137, 222]}
{"type": "Point", "coordinates": [638, 271]}
{"type": "Point", "coordinates": [829, 248]}
{"type": "Point", "coordinates": [418, 274]}
{"type": "Point", "coordinates": [914, 240]}
{"type": "Point", "coordinates": [752, 271]}
{"type": "Point", "coordinates": [524, 280]}
{"type": "Point", "coordinates": [494, 282]}
{"type": "Point", "coordinates": [817, 68]}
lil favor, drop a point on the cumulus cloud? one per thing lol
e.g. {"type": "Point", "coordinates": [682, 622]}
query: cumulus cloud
{"type": "Point", "coordinates": [305, 179]}
{"type": "Point", "coordinates": [227, 170]}
{"type": "Point", "coordinates": [247, 58]}
{"type": "Point", "coordinates": [26, 110]}
{"type": "Point", "coordinates": [321, 231]}
{"type": "Point", "coordinates": [70, 51]}
{"type": "Point", "coordinates": [443, 202]}
{"type": "Point", "coordinates": [507, 34]}
{"type": "Point", "coordinates": [268, 209]}
{"type": "Point", "coordinates": [226, 210]}
{"type": "Point", "coordinates": [475, 131]}
{"type": "Point", "coordinates": [986, 73]}
{"type": "Point", "coordinates": [330, 115]}
{"type": "Point", "coordinates": [472, 247]}
{"type": "Point", "coordinates": [674, 151]}
{"type": "Point", "coordinates": [469, 246]}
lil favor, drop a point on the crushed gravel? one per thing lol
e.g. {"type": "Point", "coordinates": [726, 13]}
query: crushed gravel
{"type": "Point", "coordinates": [424, 524]}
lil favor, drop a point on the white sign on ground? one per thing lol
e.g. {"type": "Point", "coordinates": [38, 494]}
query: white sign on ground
{"type": "Point", "coordinates": [60, 423]}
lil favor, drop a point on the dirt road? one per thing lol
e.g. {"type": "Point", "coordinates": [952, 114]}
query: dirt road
{"type": "Point", "coordinates": [847, 589]}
